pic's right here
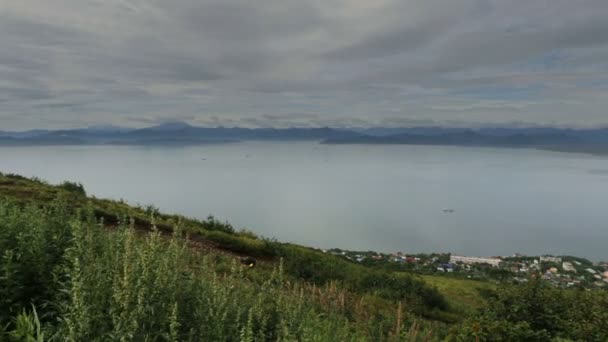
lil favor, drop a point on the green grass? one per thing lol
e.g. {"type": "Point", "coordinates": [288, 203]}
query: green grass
{"type": "Point", "coordinates": [463, 295]}
{"type": "Point", "coordinates": [218, 234]}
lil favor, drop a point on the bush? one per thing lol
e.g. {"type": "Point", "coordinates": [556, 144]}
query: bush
{"type": "Point", "coordinates": [241, 244]}
{"type": "Point", "coordinates": [151, 211]}
{"type": "Point", "coordinates": [213, 224]}
{"type": "Point", "coordinates": [73, 187]}
{"type": "Point", "coordinates": [15, 176]}
{"type": "Point", "coordinates": [539, 312]}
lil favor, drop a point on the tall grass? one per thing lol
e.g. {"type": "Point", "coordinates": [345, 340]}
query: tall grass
{"type": "Point", "coordinates": [65, 277]}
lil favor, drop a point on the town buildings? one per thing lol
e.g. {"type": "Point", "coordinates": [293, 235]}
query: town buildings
{"type": "Point", "coordinates": [474, 260]}
{"type": "Point", "coordinates": [546, 258]}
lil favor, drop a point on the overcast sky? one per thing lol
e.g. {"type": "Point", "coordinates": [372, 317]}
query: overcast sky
{"type": "Point", "coordinates": [72, 63]}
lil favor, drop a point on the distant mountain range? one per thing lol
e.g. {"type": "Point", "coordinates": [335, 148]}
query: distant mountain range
{"type": "Point", "coordinates": [558, 139]}
{"type": "Point", "coordinates": [169, 133]}
{"type": "Point", "coordinates": [181, 133]}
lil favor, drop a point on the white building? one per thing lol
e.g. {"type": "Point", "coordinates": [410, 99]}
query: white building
{"type": "Point", "coordinates": [568, 267]}
{"type": "Point", "coordinates": [556, 260]}
{"type": "Point", "coordinates": [474, 260]}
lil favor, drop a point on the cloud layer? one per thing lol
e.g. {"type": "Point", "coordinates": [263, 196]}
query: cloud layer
{"type": "Point", "coordinates": [70, 63]}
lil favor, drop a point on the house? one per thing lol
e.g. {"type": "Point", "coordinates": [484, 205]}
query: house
{"type": "Point", "coordinates": [591, 270]}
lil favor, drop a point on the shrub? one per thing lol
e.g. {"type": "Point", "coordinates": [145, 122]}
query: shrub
{"type": "Point", "coordinates": [213, 224]}
{"type": "Point", "coordinates": [539, 312]}
{"type": "Point", "coordinates": [151, 211]}
{"type": "Point", "coordinates": [241, 244]}
{"type": "Point", "coordinates": [73, 187]}
{"type": "Point", "coordinates": [15, 176]}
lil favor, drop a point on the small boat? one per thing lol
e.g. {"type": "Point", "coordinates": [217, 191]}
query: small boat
{"type": "Point", "coordinates": [448, 211]}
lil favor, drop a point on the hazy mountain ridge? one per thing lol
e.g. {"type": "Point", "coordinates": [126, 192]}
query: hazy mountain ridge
{"type": "Point", "coordinates": [467, 137]}
{"type": "Point", "coordinates": [181, 133]}
{"type": "Point", "coordinates": [567, 140]}
{"type": "Point", "coordinates": [168, 133]}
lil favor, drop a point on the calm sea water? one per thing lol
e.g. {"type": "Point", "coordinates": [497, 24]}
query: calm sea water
{"type": "Point", "coordinates": [384, 198]}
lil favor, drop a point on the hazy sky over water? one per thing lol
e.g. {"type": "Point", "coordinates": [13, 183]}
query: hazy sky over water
{"type": "Point", "coordinates": [71, 63]}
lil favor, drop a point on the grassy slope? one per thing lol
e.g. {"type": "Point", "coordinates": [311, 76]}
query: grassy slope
{"type": "Point", "coordinates": [64, 276]}
{"type": "Point", "coordinates": [301, 263]}
{"type": "Point", "coordinates": [462, 294]}
{"type": "Point", "coordinates": [215, 235]}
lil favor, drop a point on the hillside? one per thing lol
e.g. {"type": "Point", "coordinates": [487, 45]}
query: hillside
{"type": "Point", "coordinates": [338, 283]}
{"type": "Point", "coordinates": [79, 268]}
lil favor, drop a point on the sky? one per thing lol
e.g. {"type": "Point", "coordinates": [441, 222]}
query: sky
{"type": "Point", "coordinates": [281, 63]}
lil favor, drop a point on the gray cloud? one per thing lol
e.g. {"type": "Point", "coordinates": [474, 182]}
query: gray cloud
{"type": "Point", "coordinates": [23, 94]}
{"type": "Point", "coordinates": [71, 63]}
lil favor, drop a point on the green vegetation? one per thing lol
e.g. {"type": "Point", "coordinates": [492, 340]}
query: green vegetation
{"type": "Point", "coordinates": [87, 284]}
{"type": "Point", "coordinates": [539, 312]}
{"type": "Point", "coordinates": [72, 271]}
{"type": "Point", "coordinates": [463, 295]}
{"type": "Point", "coordinates": [301, 263]}
{"type": "Point", "coordinates": [74, 268]}
{"type": "Point", "coordinates": [76, 188]}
